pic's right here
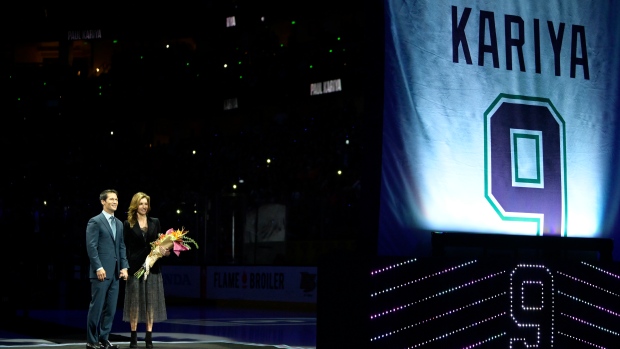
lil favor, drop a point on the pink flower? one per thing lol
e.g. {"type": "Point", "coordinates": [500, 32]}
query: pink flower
{"type": "Point", "coordinates": [179, 247]}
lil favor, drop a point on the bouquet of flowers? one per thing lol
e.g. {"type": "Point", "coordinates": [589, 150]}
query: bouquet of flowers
{"type": "Point", "coordinates": [175, 240]}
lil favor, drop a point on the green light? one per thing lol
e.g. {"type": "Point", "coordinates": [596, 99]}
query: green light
{"type": "Point", "coordinates": [19, 99]}
{"type": "Point", "coordinates": [338, 38]}
{"type": "Point", "coordinates": [239, 62]}
{"type": "Point", "coordinates": [44, 83]}
{"type": "Point", "coordinates": [281, 45]}
{"type": "Point", "coordinates": [330, 51]}
{"type": "Point", "coordinates": [311, 66]}
{"type": "Point", "coordinates": [100, 93]}
{"type": "Point", "coordinates": [240, 76]}
{"type": "Point", "coordinates": [141, 57]}
{"type": "Point", "coordinates": [187, 64]}
{"type": "Point", "coordinates": [100, 87]}
{"type": "Point", "coordinates": [293, 22]}
{"type": "Point", "coordinates": [114, 41]}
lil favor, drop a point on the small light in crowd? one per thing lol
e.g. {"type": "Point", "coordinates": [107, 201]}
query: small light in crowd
{"type": "Point", "coordinates": [178, 211]}
{"type": "Point", "coordinates": [97, 70]}
{"type": "Point", "coordinates": [194, 152]}
{"type": "Point", "coordinates": [230, 21]}
{"type": "Point", "coordinates": [339, 172]}
{"type": "Point", "coordinates": [111, 133]}
{"type": "Point", "coordinates": [195, 211]}
{"type": "Point", "coordinates": [44, 203]}
{"type": "Point", "coordinates": [347, 141]}
{"type": "Point", "coordinates": [262, 19]}
{"type": "Point", "coordinates": [167, 46]}
{"type": "Point", "coordinates": [234, 186]}
{"type": "Point", "coordinates": [79, 72]}
{"type": "Point", "coordinates": [241, 181]}
{"type": "Point", "coordinates": [225, 65]}
{"type": "Point", "coordinates": [268, 161]}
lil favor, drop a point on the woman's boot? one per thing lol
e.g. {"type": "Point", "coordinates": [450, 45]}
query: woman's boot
{"type": "Point", "coordinates": [148, 339]}
{"type": "Point", "coordinates": [134, 339]}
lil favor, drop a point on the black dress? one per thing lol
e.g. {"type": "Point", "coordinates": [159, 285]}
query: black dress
{"type": "Point", "coordinates": [143, 298]}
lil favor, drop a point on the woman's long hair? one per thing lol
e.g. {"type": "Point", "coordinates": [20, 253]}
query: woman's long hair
{"type": "Point", "coordinates": [132, 214]}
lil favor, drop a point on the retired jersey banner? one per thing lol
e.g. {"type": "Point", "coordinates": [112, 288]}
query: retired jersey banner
{"type": "Point", "coordinates": [499, 117]}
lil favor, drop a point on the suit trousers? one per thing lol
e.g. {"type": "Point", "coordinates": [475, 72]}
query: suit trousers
{"type": "Point", "coordinates": [102, 308]}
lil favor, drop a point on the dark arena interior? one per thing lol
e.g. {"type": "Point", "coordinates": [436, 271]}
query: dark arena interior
{"type": "Point", "coordinates": [380, 174]}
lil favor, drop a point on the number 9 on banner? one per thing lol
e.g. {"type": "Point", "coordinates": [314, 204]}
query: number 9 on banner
{"type": "Point", "coordinates": [525, 167]}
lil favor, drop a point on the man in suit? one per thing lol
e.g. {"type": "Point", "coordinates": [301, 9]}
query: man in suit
{"type": "Point", "coordinates": [108, 264]}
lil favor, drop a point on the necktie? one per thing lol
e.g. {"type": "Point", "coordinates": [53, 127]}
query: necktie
{"type": "Point", "coordinates": [113, 225]}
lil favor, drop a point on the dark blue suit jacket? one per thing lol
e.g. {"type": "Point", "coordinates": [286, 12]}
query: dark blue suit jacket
{"type": "Point", "coordinates": [103, 250]}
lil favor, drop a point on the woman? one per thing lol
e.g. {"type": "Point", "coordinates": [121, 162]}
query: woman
{"type": "Point", "coordinates": [144, 299]}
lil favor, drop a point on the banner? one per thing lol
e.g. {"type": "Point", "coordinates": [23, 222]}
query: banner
{"type": "Point", "coordinates": [499, 117]}
{"type": "Point", "coordinates": [182, 281]}
{"type": "Point", "coordinates": [262, 283]}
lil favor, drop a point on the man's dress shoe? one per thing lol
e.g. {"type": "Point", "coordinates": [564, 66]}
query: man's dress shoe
{"type": "Point", "coordinates": [93, 346]}
{"type": "Point", "coordinates": [105, 344]}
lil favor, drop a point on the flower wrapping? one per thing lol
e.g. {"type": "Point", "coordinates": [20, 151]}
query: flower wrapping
{"type": "Point", "coordinates": [174, 240]}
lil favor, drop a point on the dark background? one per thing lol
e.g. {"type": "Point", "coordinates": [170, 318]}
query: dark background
{"type": "Point", "coordinates": [134, 126]}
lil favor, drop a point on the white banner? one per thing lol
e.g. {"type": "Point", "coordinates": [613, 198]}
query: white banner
{"type": "Point", "coordinates": [499, 117]}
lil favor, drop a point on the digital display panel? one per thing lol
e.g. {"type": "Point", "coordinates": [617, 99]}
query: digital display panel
{"type": "Point", "coordinates": [469, 303]}
{"type": "Point", "coordinates": [499, 118]}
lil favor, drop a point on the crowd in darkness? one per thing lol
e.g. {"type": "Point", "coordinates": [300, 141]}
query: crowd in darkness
{"type": "Point", "coordinates": [154, 121]}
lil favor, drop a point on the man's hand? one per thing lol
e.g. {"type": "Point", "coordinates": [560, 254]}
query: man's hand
{"type": "Point", "coordinates": [101, 274]}
{"type": "Point", "coordinates": [124, 274]}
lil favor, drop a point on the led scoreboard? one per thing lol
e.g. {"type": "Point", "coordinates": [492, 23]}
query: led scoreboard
{"type": "Point", "coordinates": [489, 303]}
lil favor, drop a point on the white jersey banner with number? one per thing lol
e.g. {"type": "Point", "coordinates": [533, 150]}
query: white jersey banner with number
{"type": "Point", "coordinates": [499, 117]}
